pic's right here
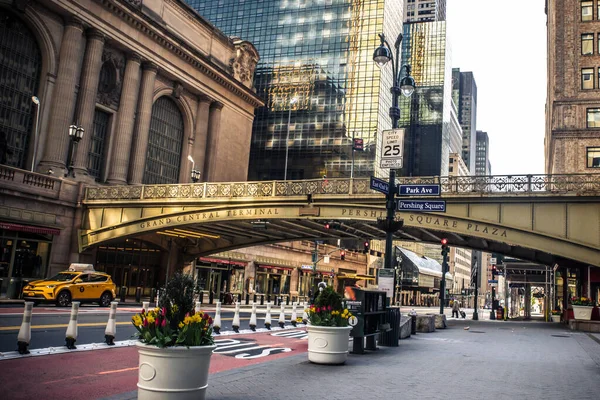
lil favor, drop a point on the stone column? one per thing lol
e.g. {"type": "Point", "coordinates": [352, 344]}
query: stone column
{"type": "Point", "coordinates": [142, 127]}
{"type": "Point", "coordinates": [214, 126]}
{"type": "Point", "coordinates": [86, 106]}
{"type": "Point", "coordinates": [63, 100]}
{"type": "Point", "coordinates": [123, 134]}
{"type": "Point", "coordinates": [200, 134]}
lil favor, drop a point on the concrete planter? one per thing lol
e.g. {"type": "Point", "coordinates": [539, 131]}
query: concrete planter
{"type": "Point", "coordinates": [582, 312]}
{"type": "Point", "coordinates": [328, 344]}
{"type": "Point", "coordinates": [173, 373]}
{"type": "Point", "coordinates": [555, 318]}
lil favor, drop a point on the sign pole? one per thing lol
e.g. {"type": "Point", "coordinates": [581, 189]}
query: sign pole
{"type": "Point", "coordinates": [352, 150]}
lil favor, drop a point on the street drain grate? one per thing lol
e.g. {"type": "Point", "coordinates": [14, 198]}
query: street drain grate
{"type": "Point", "coordinates": [477, 331]}
{"type": "Point", "coordinates": [560, 335]}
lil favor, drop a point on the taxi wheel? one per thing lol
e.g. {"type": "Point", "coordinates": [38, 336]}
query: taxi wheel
{"type": "Point", "coordinates": [63, 299]}
{"type": "Point", "coordinates": [105, 299]}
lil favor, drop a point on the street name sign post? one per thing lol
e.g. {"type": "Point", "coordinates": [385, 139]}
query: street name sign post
{"type": "Point", "coordinates": [392, 147]}
{"type": "Point", "coordinates": [380, 185]}
{"type": "Point", "coordinates": [421, 205]}
{"type": "Point", "coordinates": [419, 190]}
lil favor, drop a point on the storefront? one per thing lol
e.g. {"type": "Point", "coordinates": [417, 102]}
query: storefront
{"type": "Point", "coordinates": [131, 263]}
{"type": "Point", "coordinates": [24, 255]}
{"type": "Point", "coordinates": [348, 277]}
{"type": "Point", "coordinates": [219, 275]}
{"type": "Point", "coordinates": [273, 280]}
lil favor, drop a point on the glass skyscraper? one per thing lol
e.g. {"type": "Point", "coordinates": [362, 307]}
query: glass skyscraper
{"type": "Point", "coordinates": [319, 53]}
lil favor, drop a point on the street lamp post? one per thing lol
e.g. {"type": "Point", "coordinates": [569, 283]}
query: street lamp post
{"type": "Point", "coordinates": [76, 134]}
{"type": "Point", "coordinates": [36, 101]}
{"type": "Point", "coordinates": [293, 101]}
{"type": "Point", "coordinates": [406, 86]}
{"type": "Point", "coordinates": [194, 173]}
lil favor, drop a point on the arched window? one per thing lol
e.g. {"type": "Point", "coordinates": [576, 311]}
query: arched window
{"type": "Point", "coordinates": [20, 63]}
{"type": "Point", "coordinates": [164, 144]}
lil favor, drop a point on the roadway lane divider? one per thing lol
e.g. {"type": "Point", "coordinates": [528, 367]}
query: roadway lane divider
{"type": "Point", "coordinates": [71, 335]}
{"type": "Point", "coordinates": [24, 336]}
{"type": "Point", "coordinates": [111, 326]}
{"type": "Point", "coordinates": [236, 318]}
{"type": "Point", "coordinates": [282, 316]}
{"type": "Point", "coordinates": [268, 316]}
{"type": "Point", "coordinates": [198, 307]}
{"type": "Point", "coordinates": [253, 317]}
{"type": "Point", "coordinates": [145, 306]}
{"type": "Point", "coordinates": [294, 314]}
{"type": "Point", "coordinates": [304, 314]}
{"type": "Point", "coordinates": [217, 319]}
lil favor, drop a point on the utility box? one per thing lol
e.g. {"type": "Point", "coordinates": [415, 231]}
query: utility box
{"type": "Point", "coordinates": [368, 306]}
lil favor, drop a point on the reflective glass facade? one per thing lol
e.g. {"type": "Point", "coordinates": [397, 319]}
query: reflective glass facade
{"type": "Point", "coordinates": [427, 114]}
{"type": "Point", "coordinates": [320, 52]}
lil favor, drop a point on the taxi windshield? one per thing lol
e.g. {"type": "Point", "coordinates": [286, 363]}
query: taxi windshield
{"type": "Point", "coordinates": [62, 277]}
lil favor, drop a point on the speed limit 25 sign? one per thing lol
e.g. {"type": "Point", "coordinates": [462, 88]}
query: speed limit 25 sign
{"type": "Point", "coordinates": [392, 147]}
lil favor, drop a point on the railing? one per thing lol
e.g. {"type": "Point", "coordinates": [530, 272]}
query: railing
{"type": "Point", "coordinates": [497, 185]}
{"type": "Point", "coordinates": [39, 184]}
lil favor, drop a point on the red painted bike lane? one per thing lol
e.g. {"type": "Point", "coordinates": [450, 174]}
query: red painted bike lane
{"type": "Point", "coordinates": [102, 373]}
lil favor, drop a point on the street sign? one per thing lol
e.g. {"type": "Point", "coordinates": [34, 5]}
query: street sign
{"type": "Point", "coordinates": [493, 260]}
{"type": "Point", "coordinates": [492, 280]}
{"type": "Point", "coordinates": [380, 185]}
{"type": "Point", "coordinates": [421, 205]}
{"type": "Point", "coordinates": [357, 144]}
{"type": "Point", "coordinates": [385, 281]}
{"type": "Point", "coordinates": [418, 190]}
{"type": "Point", "coordinates": [392, 147]}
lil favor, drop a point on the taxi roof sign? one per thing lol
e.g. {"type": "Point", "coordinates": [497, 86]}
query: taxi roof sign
{"type": "Point", "coordinates": [81, 267]}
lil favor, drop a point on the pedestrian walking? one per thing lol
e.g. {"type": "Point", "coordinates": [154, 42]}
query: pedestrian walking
{"type": "Point", "coordinates": [455, 308]}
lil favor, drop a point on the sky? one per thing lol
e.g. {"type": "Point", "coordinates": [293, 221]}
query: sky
{"type": "Point", "coordinates": [504, 44]}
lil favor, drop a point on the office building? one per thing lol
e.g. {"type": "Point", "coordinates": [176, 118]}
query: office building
{"type": "Point", "coordinates": [424, 10]}
{"type": "Point", "coordinates": [572, 141]}
{"type": "Point", "coordinates": [318, 79]}
{"type": "Point", "coordinates": [429, 115]}
{"type": "Point", "coordinates": [464, 94]}
{"type": "Point", "coordinates": [482, 154]}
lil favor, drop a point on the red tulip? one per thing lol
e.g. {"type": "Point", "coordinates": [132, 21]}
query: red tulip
{"type": "Point", "coordinates": [205, 316]}
{"type": "Point", "coordinates": [145, 323]}
{"type": "Point", "coordinates": [210, 320]}
{"type": "Point", "coordinates": [163, 323]}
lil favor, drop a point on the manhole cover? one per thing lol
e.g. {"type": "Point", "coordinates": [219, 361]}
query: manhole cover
{"type": "Point", "coordinates": [560, 335]}
{"type": "Point", "coordinates": [477, 331]}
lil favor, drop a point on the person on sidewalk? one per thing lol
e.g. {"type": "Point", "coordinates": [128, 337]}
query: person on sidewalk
{"type": "Point", "coordinates": [455, 309]}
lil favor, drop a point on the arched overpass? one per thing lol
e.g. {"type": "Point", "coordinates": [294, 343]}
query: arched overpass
{"type": "Point", "coordinates": [542, 218]}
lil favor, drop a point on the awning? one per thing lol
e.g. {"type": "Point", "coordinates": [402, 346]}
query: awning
{"type": "Point", "coordinates": [275, 267]}
{"type": "Point", "coordinates": [222, 261]}
{"type": "Point", "coordinates": [356, 276]}
{"type": "Point", "coordinates": [29, 228]}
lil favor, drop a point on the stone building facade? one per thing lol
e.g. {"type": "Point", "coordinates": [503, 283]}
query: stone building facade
{"type": "Point", "coordinates": [157, 91]}
{"type": "Point", "coordinates": [572, 140]}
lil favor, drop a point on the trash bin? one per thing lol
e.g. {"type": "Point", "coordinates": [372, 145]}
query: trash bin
{"type": "Point", "coordinates": [500, 313]}
{"type": "Point", "coordinates": [390, 338]}
{"type": "Point", "coordinates": [15, 286]}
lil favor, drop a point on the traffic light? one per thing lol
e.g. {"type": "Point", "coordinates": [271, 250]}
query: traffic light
{"type": "Point", "coordinates": [494, 272]}
{"type": "Point", "coordinates": [342, 255]}
{"type": "Point", "coordinates": [327, 225]}
{"type": "Point", "coordinates": [445, 248]}
{"type": "Point", "coordinates": [366, 249]}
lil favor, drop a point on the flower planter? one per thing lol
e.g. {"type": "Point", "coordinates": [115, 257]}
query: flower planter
{"type": "Point", "coordinates": [173, 373]}
{"type": "Point", "coordinates": [328, 344]}
{"type": "Point", "coordinates": [555, 318]}
{"type": "Point", "coordinates": [582, 312]}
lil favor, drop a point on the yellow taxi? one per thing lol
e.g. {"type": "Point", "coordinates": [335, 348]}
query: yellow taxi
{"type": "Point", "coordinates": [79, 283]}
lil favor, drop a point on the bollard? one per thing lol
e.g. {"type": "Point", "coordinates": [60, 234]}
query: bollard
{"type": "Point", "coordinates": [24, 336]}
{"type": "Point", "coordinates": [239, 298]}
{"type": "Point", "coordinates": [287, 300]}
{"type": "Point", "coordinates": [217, 320]}
{"type": "Point", "coordinates": [268, 316]}
{"type": "Point", "coordinates": [123, 293]}
{"type": "Point", "coordinates": [236, 319]}
{"type": "Point", "coordinates": [111, 326]}
{"type": "Point", "coordinates": [268, 298]}
{"type": "Point", "coordinates": [211, 297]}
{"type": "Point", "coordinates": [262, 299]}
{"type": "Point", "coordinates": [254, 298]}
{"type": "Point", "coordinates": [247, 298]}
{"type": "Point", "coordinates": [282, 316]}
{"type": "Point", "coordinates": [198, 307]}
{"type": "Point", "coordinates": [145, 306]}
{"type": "Point", "coordinates": [153, 293]}
{"type": "Point", "coordinates": [253, 317]}
{"type": "Point", "coordinates": [294, 315]}
{"type": "Point", "coordinates": [157, 297]}
{"type": "Point", "coordinates": [304, 314]}
{"type": "Point", "coordinates": [201, 299]}
{"type": "Point", "coordinates": [138, 294]}
{"type": "Point", "coordinates": [413, 322]}
{"type": "Point", "coordinates": [71, 335]}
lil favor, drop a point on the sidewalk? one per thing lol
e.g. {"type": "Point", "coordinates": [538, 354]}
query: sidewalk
{"type": "Point", "coordinates": [524, 360]}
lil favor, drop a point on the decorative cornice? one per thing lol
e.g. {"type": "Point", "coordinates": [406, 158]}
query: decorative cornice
{"type": "Point", "coordinates": [163, 38]}
{"type": "Point", "coordinates": [216, 105]}
{"type": "Point", "coordinates": [95, 34]}
{"type": "Point", "coordinates": [150, 66]}
{"type": "Point", "coordinates": [75, 22]}
{"type": "Point", "coordinates": [135, 57]}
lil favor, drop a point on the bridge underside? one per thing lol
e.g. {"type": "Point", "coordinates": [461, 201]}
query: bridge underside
{"type": "Point", "coordinates": [541, 233]}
